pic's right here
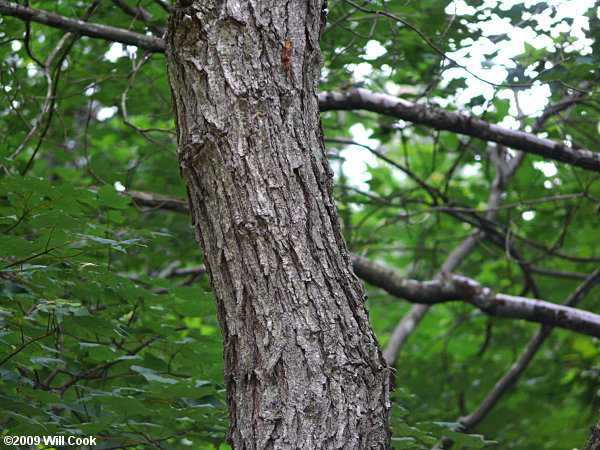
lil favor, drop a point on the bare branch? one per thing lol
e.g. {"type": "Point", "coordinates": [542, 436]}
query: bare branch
{"type": "Point", "coordinates": [516, 370]}
{"type": "Point", "coordinates": [107, 364]}
{"type": "Point", "coordinates": [447, 120]}
{"type": "Point", "coordinates": [455, 287]}
{"type": "Point", "coordinates": [559, 273]}
{"type": "Point", "coordinates": [504, 171]}
{"type": "Point", "coordinates": [158, 201]}
{"type": "Point", "coordinates": [95, 30]}
{"type": "Point", "coordinates": [416, 313]}
{"type": "Point", "coordinates": [447, 288]}
{"type": "Point", "coordinates": [20, 348]}
{"type": "Point", "coordinates": [140, 13]}
{"type": "Point", "coordinates": [352, 99]}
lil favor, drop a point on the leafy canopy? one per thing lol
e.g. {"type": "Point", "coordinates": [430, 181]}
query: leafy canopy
{"type": "Point", "coordinates": [107, 325]}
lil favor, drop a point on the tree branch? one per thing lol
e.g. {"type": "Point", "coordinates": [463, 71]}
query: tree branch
{"type": "Point", "coordinates": [140, 13]}
{"type": "Point", "coordinates": [158, 201]}
{"type": "Point", "coordinates": [411, 319]}
{"type": "Point", "coordinates": [455, 287]}
{"type": "Point", "coordinates": [448, 288]}
{"type": "Point", "coordinates": [95, 30]}
{"type": "Point", "coordinates": [448, 120]}
{"type": "Point", "coordinates": [29, 342]}
{"type": "Point", "coordinates": [504, 171]}
{"type": "Point", "coordinates": [352, 99]}
{"type": "Point", "coordinates": [518, 367]}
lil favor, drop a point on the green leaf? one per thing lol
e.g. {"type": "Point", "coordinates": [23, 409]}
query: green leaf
{"type": "Point", "coordinates": [151, 375]}
{"type": "Point", "coordinates": [92, 326]}
{"type": "Point", "coordinates": [192, 302]}
{"type": "Point", "coordinates": [55, 219]}
{"type": "Point", "coordinates": [108, 196]}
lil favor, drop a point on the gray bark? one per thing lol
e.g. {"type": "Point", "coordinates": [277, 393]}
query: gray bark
{"type": "Point", "coordinates": [447, 120]}
{"type": "Point", "coordinates": [449, 287]}
{"type": "Point", "coordinates": [302, 366]}
{"type": "Point", "coordinates": [95, 30]}
{"type": "Point", "coordinates": [593, 442]}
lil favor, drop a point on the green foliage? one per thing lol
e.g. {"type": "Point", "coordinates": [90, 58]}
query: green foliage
{"type": "Point", "coordinates": [90, 349]}
{"type": "Point", "coordinates": [102, 332]}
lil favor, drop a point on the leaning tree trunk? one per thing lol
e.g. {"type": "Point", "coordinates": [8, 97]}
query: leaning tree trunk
{"type": "Point", "coordinates": [302, 366]}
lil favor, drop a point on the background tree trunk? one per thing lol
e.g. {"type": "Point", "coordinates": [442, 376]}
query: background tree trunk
{"type": "Point", "coordinates": [303, 368]}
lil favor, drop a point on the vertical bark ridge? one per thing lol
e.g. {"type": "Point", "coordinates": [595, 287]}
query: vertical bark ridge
{"type": "Point", "coordinates": [302, 365]}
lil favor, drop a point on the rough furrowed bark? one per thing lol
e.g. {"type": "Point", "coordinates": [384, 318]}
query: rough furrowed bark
{"type": "Point", "coordinates": [302, 365]}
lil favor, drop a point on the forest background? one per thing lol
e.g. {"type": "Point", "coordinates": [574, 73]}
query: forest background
{"type": "Point", "coordinates": [107, 320]}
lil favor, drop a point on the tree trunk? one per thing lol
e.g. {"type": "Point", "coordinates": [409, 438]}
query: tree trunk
{"type": "Point", "coordinates": [593, 442]}
{"type": "Point", "coordinates": [302, 366]}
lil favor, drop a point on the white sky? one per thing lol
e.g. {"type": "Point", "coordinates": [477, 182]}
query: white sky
{"type": "Point", "coordinates": [471, 55]}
